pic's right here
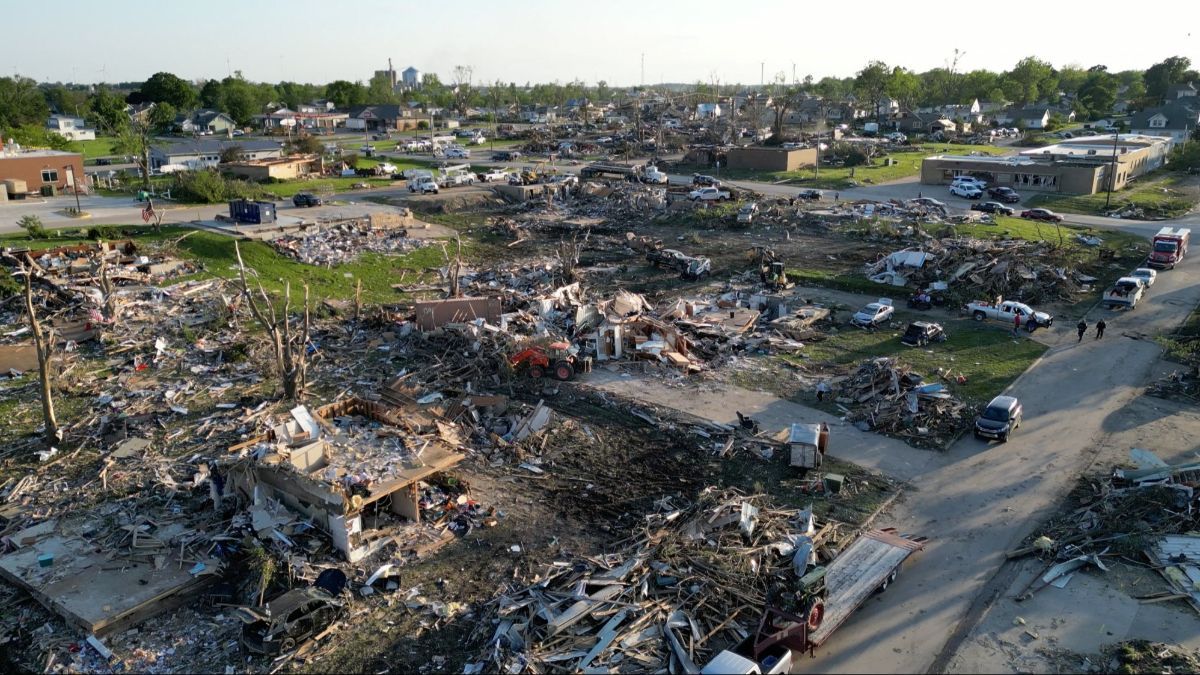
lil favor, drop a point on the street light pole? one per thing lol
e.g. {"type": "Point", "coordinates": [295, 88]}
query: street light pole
{"type": "Point", "coordinates": [1112, 171]}
{"type": "Point", "coordinates": [75, 187]}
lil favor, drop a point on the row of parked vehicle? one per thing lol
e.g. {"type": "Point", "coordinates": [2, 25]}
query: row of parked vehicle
{"type": "Point", "coordinates": [970, 187]}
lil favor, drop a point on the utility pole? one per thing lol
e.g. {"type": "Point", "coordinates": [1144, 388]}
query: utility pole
{"type": "Point", "coordinates": [1112, 170]}
{"type": "Point", "coordinates": [643, 69]}
{"type": "Point", "coordinates": [762, 73]}
{"type": "Point", "coordinates": [75, 187]}
{"type": "Point", "coordinates": [793, 73]}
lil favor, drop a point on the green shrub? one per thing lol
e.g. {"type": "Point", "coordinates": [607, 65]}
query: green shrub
{"type": "Point", "coordinates": [33, 227]}
{"type": "Point", "coordinates": [210, 187]}
{"type": "Point", "coordinates": [104, 232]}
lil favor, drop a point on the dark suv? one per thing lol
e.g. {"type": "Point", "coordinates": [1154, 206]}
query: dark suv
{"type": "Point", "coordinates": [306, 199]}
{"type": "Point", "coordinates": [288, 620]}
{"type": "Point", "coordinates": [921, 333]}
{"type": "Point", "coordinates": [999, 419]}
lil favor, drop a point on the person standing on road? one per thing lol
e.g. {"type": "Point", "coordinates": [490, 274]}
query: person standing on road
{"type": "Point", "coordinates": [1082, 328]}
{"type": "Point", "coordinates": [822, 389]}
{"type": "Point", "coordinates": [1016, 325]}
{"type": "Point", "coordinates": [837, 197]}
{"type": "Point", "coordinates": [1100, 326]}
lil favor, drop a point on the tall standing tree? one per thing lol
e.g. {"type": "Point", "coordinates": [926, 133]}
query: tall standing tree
{"type": "Point", "coordinates": [463, 90]}
{"type": "Point", "coordinates": [108, 112]}
{"type": "Point", "coordinates": [1071, 78]}
{"type": "Point", "coordinates": [210, 94]}
{"type": "Point", "coordinates": [21, 102]}
{"type": "Point", "coordinates": [1098, 94]}
{"type": "Point", "coordinates": [1030, 80]}
{"type": "Point", "coordinates": [163, 87]}
{"type": "Point", "coordinates": [239, 100]}
{"type": "Point", "coordinates": [871, 83]}
{"type": "Point", "coordinates": [162, 118]}
{"type": "Point", "coordinates": [904, 86]}
{"type": "Point", "coordinates": [346, 94]}
{"type": "Point", "coordinates": [1160, 76]}
{"type": "Point", "coordinates": [67, 100]}
{"type": "Point", "coordinates": [289, 336]}
{"type": "Point", "coordinates": [43, 344]}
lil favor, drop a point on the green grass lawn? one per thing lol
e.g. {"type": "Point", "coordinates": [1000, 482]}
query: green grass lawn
{"type": "Point", "coordinates": [984, 353]}
{"type": "Point", "coordinates": [321, 186]}
{"type": "Point", "coordinates": [103, 146]}
{"type": "Point", "coordinates": [215, 251]}
{"type": "Point", "coordinates": [1157, 194]}
{"type": "Point", "coordinates": [904, 165]}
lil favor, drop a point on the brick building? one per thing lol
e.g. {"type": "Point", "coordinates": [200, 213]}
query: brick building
{"type": "Point", "coordinates": [41, 167]}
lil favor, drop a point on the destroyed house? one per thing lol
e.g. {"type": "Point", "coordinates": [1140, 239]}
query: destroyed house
{"type": "Point", "coordinates": [353, 469]}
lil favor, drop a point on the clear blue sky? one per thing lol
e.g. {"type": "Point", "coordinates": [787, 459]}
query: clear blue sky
{"type": "Point", "coordinates": [546, 40]}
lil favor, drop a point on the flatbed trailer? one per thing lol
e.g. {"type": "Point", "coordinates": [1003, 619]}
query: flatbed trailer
{"type": "Point", "coordinates": [868, 565]}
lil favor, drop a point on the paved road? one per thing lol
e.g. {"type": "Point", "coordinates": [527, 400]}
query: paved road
{"type": "Point", "coordinates": [976, 500]}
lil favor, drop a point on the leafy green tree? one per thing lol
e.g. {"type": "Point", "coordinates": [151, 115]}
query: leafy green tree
{"type": "Point", "coordinates": [108, 112]}
{"type": "Point", "coordinates": [238, 99]}
{"type": "Point", "coordinates": [904, 86]}
{"type": "Point", "coordinates": [33, 227]}
{"type": "Point", "coordinates": [1030, 80]}
{"type": "Point", "coordinates": [937, 87]}
{"type": "Point", "coordinates": [978, 84]}
{"type": "Point", "coordinates": [21, 102]}
{"type": "Point", "coordinates": [38, 136]}
{"type": "Point", "coordinates": [379, 91]}
{"type": "Point", "coordinates": [872, 82]}
{"type": "Point", "coordinates": [67, 100]}
{"type": "Point", "coordinates": [162, 117]}
{"type": "Point", "coordinates": [1071, 78]}
{"type": "Point", "coordinates": [1097, 94]}
{"type": "Point", "coordinates": [346, 94]}
{"type": "Point", "coordinates": [163, 87]}
{"type": "Point", "coordinates": [1163, 74]}
{"type": "Point", "coordinates": [210, 94]}
{"type": "Point", "coordinates": [306, 145]}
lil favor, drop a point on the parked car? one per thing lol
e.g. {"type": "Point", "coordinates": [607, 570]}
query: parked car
{"type": "Point", "coordinates": [873, 314]}
{"type": "Point", "coordinates": [927, 202]}
{"type": "Point", "coordinates": [993, 207]}
{"type": "Point", "coordinates": [999, 419]}
{"type": "Point", "coordinates": [103, 161]}
{"type": "Point", "coordinates": [966, 191]}
{"type": "Point", "coordinates": [306, 199]}
{"type": "Point", "coordinates": [1146, 274]}
{"type": "Point", "coordinates": [705, 181]}
{"type": "Point", "coordinates": [1004, 194]}
{"type": "Point", "coordinates": [809, 193]}
{"type": "Point", "coordinates": [238, 132]}
{"type": "Point", "coordinates": [747, 212]}
{"type": "Point", "coordinates": [921, 333]}
{"type": "Point", "coordinates": [288, 620]}
{"type": "Point", "coordinates": [423, 185]}
{"type": "Point", "coordinates": [505, 155]}
{"type": "Point", "coordinates": [1042, 214]}
{"type": "Point", "coordinates": [458, 153]}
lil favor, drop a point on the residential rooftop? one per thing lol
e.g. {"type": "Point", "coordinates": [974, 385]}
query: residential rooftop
{"type": "Point", "coordinates": [7, 153]}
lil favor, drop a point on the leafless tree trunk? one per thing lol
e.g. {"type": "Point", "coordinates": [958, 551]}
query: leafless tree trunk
{"type": "Point", "coordinates": [287, 343]}
{"type": "Point", "coordinates": [453, 269]}
{"type": "Point", "coordinates": [43, 344]}
{"type": "Point", "coordinates": [108, 291]}
{"type": "Point", "coordinates": [568, 252]}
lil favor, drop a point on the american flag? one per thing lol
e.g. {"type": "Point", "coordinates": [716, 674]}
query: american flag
{"type": "Point", "coordinates": [148, 212]}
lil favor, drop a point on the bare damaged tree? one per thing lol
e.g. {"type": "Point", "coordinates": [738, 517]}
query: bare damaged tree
{"type": "Point", "coordinates": [453, 269]}
{"type": "Point", "coordinates": [288, 343]}
{"type": "Point", "coordinates": [108, 293]}
{"type": "Point", "coordinates": [568, 253]}
{"type": "Point", "coordinates": [43, 344]}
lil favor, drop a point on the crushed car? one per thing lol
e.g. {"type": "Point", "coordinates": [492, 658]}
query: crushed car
{"type": "Point", "coordinates": [921, 333]}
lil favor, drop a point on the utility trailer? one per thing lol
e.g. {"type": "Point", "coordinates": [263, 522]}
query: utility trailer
{"type": "Point", "coordinates": [804, 620]}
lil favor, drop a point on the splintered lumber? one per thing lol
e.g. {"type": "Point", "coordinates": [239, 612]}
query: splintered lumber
{"type": "Point", "coordinates": [581, 609]}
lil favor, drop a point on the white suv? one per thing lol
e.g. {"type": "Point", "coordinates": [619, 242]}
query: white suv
{"type": "Point", "coordinates": [971, 181]}
{"type": "Point", "coordinates": [966, 190]}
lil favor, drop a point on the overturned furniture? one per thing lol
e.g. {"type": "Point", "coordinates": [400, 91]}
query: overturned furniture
{"type": "Point", "coordinates": [353, 468]}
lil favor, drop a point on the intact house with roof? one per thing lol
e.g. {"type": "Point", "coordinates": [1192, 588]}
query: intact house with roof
{"type": "Point", "coordinates": [284, 118]}
{"type": "Point", "coordinates": [1033, 117]}
{"type": "Point", "coordinates": [205, 121]}
{"type": "Point", "coordinates": [1182, 90]}
{"type": "Point", "coordinates": [381, 118]}
{"type": "Point", "coordinates": [70, 128]}
{"type": "Point", "coordinates": [1176, 120]}
{"type": "Point", "coordinates": [206, 154]}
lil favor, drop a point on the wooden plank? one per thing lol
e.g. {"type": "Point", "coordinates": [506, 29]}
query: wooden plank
{"type": "Point", "coordinates": [582, 608]}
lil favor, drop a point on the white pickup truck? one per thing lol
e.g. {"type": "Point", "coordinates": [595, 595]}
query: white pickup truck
{"type": "Point", "coordinates": [1126, 292]}
{"type": "Point", "coordinates": [709, 194]}
{"type": "Point", "coordinates": [1006, 310]}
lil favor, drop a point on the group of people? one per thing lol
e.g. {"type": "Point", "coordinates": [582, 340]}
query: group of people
{"type": "Point", "coordinates": [1082, 327]}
